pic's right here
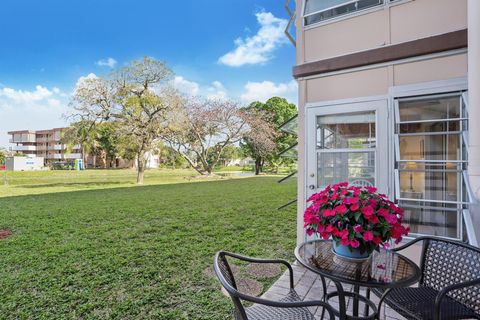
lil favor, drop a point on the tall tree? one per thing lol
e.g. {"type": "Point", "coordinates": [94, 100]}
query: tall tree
{"type": "Point", "coordinates": [276, 111]}
{"type": "Point", "coordinates": [136, 98]}
{"type": "Point", "coordinates": [204, 128]}
{"type": "Point", "coordinates": [2, 157]}
{"type": "Point", "coordinates": [82, 133]}
{"type": "Point", "coordinates": [108, 142]}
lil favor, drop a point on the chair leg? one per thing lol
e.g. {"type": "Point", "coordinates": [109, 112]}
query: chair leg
{"type": "Point", "coordinates": [365, 312]}
{"type": "Point", "coordinates": [324, 285]}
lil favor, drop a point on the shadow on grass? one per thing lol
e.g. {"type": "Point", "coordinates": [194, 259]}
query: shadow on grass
{"type": "Point", "coordinates": [126, 186]}
{"type": "Point", "coordinates": [72, 184]}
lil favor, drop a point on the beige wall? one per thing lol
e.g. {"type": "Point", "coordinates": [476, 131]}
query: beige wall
{"type": "Point", "coordinates": [367, 83]}
{"type": "Point", "coordinates": [431, 70]}
{"type": "Point", "coordinates": [377, 81]}
{"type": "Point", "coordinates": [406, 21]}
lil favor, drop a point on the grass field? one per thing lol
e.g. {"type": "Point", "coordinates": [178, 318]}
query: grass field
{"type": "Point", "coordinates": [93, 245]}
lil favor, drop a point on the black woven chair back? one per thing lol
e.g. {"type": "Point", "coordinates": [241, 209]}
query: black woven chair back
{"type": "Point", "coordinates": [446, 263]}
{"type": "Point", "coordinates": [227, 279]}
{"type": "Point", "coordinates": [226, 271]}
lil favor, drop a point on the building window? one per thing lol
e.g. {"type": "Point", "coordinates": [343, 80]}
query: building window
{"type": "Point", "coordinates": [320, 10]}
{"type": "Point", "coordinates": [346, 146]}
{"type": "Point", "coordinates": [431, 160]}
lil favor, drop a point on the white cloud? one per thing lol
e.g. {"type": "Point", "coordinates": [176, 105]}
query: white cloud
{"type": "Point", "coordinates": [26, 97]}
{"type": "Point", "coordinates": [216, 91]}
{"type": "Point", "coordinates": [259, 48]}
{"type": "Point", "coordinates": [186, 87]}
{"type": "Point", "coordinates": [40, 108]}
{"type": "Point", "coordinates": [108, 62]}
{"type": "Point", "coordinates": [262, 91]}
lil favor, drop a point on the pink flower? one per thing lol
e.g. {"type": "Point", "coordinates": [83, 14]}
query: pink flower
{"type": "Point", "coordinates": [310, 217]}
{"type": "Point", "coordinates": [341, 209]}
{"type": "Point", "coordinates": [367, 211]}
{"type": "Point", "coordinates": [373, 219]}
{"type": "Point", "coordinates": [391, 218]}
{"type": "Point", "coordinates": [372, 202]}
{"type": "Point", "coordinates": [325, 235]}
{"type": "Point", "coordinates": [345, 242]}
{"type": "Point", "coordinates": [343, 234]}
{"type": "Point", "coordinates": [328, 213]}
{"type": "Point", "coordinates": [368, 236]}
{"type": "Point", "coordinates": [371, 189]}
{"type": "Point", "coordinates": [358, 228]}
{"type": "Point", "coordinates": [351, 200]}
{"type": "Point", "coordinates": [377, 240]}
{"type": "Point", "coordinates": [320, 228]}
{"type": "Point", "coordinates": [382, 212]}
{"type": "Point", "coordinates": [309, 231]}
{"type": "Point", "coordinates": [354, 207]}
{"type": "Point", "coordinates": [354, 243]}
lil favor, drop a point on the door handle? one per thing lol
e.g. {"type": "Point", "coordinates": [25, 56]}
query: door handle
{"type": "Point", "coordinates": [311, 187]}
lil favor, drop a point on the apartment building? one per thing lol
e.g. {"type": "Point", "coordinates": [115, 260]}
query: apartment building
{"type": "Point", "coordinates": [389, 95]}
{"type": "Point", "coordinates": [43, 143]}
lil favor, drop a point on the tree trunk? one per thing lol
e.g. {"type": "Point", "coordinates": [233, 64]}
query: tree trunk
{"type": "Point", "coordinates": [84, 156]}
{"type": "Point", "coordinates": [258, 165]}
{"type": "Point", "coordinates": [94, 161]}
{"type": "Point", "coordinates": [140, 168]}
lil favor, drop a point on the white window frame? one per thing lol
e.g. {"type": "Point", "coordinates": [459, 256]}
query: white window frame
{"type": "Point", "coordinates": [385, 4]}
{"type": "Point", "coordinates": [430, 89]}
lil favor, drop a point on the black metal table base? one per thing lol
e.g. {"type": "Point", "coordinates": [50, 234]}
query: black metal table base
{"type": "Point", "coordinates": [357, 298]}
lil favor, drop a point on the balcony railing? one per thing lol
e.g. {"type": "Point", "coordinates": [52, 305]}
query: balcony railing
{"type": "Point", "coordinates": [24, 148]}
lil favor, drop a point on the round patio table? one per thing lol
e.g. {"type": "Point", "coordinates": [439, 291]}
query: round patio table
{"type": "Point", "coordinates": [383, 270]}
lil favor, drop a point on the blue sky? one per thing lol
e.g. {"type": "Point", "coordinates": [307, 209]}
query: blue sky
{"type": "Point", "coordinates": [217, 48]}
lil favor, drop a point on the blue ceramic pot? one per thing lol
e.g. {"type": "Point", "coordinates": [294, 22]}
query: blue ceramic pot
{"type": "Point", "coordinates": [348, 252]}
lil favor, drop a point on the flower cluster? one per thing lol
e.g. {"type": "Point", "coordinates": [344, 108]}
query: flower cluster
{"type": "Point", "coordinates": [354, 216]}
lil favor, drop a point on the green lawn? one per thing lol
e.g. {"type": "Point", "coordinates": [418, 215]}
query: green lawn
{"type": "Point", "coordinates": [92, 245]}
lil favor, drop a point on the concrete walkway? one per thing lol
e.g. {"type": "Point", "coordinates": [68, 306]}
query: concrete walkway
{"type": "Point", "coordinates": [309, 287]}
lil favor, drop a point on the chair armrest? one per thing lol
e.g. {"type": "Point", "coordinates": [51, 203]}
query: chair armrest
{"type": "Point", "coordinates": [281, 304]}
{"type": "Point", "coordinates": [444, 291]}
{"type": "Point", "coordinates": [257, 260]}
{"type": "Point", "coordinates": [412, 243]}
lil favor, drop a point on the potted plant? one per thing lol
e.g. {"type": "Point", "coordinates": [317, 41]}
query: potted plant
{"type": "Point", "coordinates": [358, 219]}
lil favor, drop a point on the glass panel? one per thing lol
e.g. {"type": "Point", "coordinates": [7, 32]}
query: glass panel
{"type": "Point", "coordinates": [440, 179]}
{"type": "Point", "coordinates": [430, 147]}
{"type": "Point", "coordinates": [438, 126]}
{"type": "Point", "coordinates": [346, 131]}
{"type": "Point", "coordinates": [354, 167]}
{"type": "Point", "coordinates": [430, 109]}
{"type": "Point", "coordinates": [291, 126]}
{"type": "Point", "coordinates": [321, 6]}
{"type": "Point", "coordinates": [430, 218]}
{"type": "Point", "coordinates": [318, 5]}
{"type": "Point", "coordinates": [430, 185]}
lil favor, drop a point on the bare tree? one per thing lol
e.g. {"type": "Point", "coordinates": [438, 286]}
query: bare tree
{"type": "Point", "coordinates": [204, 128]}
{"type": "Point", "coordinates": [136, 98]}
{"type": "Point", "coordinates": [260, 139]}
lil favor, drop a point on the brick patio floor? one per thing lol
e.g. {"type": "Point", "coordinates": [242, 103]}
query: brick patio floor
{"type": "Point", "coordinates": [309, 287]}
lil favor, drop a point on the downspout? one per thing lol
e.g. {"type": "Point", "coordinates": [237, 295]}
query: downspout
{"type": "Point", "coordinates": [474, 108]}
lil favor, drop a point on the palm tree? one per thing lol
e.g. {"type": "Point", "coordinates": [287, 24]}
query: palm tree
{"type": "Point", "coordinates": [85, 134]}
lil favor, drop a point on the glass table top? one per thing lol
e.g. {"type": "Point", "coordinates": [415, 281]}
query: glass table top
{"type": "Point", "coordinates": [386, 269]}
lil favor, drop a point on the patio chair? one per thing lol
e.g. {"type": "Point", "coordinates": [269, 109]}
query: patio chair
{"type": "Point", "coordinates": [289, 308]}
{"type": "Point", "coordinates": [449, 287]}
